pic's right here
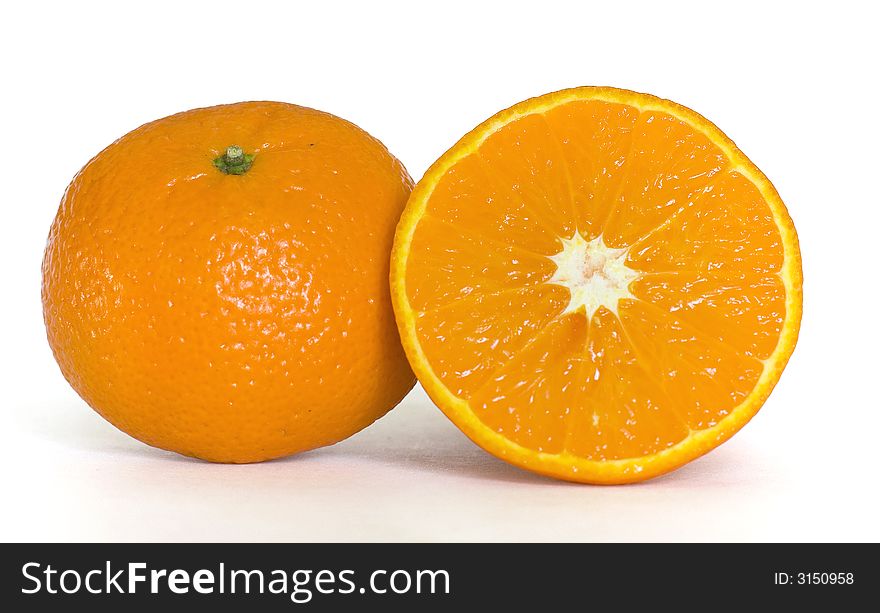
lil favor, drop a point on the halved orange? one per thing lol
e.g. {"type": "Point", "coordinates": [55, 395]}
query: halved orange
{"type": "Point", "coordinates": [597, 285]}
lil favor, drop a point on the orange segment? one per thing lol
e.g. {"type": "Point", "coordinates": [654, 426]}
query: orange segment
{"type": "Point", "coordinates": [597, 285]}
{"type": "Point", "coordinates": [670, 165]}
{"type": "Point", "coordinates": [472, 196]}
{"type": "Point", "coordinates": [468, 339]}
{"type": "Point", "coordinates": [625, 412]}
{"type": "Point", "coordinates": [732, 228]}
{"type": "Point", "coordinates": [596, 141]}
{"type": "Point", "coordinates": [745, 313]}
{"type": "Point", "coordinates": [455, 265]}
{"type": "Point", "coordinates": [706, 378]}
{"type": "Point", "coordinates": [524, 160]}
{"type": "Point", "coordinates": [531, 397]}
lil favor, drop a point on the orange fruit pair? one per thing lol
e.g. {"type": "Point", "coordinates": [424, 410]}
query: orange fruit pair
{"type": "Point", "coordinates": [596, 285]}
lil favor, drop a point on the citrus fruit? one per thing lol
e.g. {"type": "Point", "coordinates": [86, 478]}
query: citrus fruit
{"type": "Point", "coordinates": [216, 282]}
{"type": "Point", "coordinates": [597, 285]}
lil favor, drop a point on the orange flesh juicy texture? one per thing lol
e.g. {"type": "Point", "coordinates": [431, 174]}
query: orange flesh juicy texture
{"type": "Point", "coordinates": [597, 285]}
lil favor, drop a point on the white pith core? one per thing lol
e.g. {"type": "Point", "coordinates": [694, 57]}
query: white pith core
{"type": "Point", "coordinates": [595, 274]}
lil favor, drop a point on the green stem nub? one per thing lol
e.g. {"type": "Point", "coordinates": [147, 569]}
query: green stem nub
{"type": "Point", "coordinates": [234, 161]}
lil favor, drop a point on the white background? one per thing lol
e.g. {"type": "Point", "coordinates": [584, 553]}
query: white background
{"type": "Point", "coordinates": [794, 84]}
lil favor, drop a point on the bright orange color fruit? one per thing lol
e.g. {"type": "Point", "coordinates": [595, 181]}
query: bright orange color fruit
{"type": "Point", "coordinates": [216, 282]}
{"type": "Point", "coordinates": [597, 285]}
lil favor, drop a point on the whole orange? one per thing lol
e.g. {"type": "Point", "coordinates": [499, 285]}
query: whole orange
{"type": "Point", "coordinates": [216, 282]}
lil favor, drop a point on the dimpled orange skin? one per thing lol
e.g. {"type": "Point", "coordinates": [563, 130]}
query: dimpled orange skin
{"type": "Point", "coordinates": [233, 318]}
